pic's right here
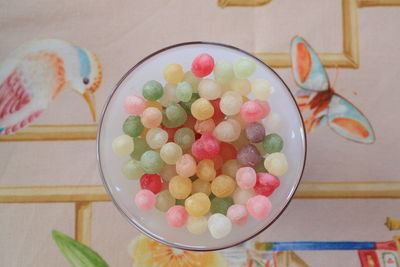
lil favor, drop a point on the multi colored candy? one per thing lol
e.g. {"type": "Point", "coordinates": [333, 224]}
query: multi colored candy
{"type": "Point", "coordinates": [206, 150]}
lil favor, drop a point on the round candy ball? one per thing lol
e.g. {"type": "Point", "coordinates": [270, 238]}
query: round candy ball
{"type": "Point", "coordinates": [134, 105]}
{"type": "Point", "coordinates": [156, 138]}
{"type": "Point", "coordinates": [197, 204]}
{"type": "Point", "coordinates": [205, 170]}
{"type": "Point", "coordinates": [152, 90]}
{"type": "Point", "coordinates": [259, 207]}
{"type": "Point", "coordinates": [164, 201]}
{"type": "Point", "coordinates": [202, 109]}
{"type": "Point", "coordinates": [231, 102]}
{"type": "Point", "coordinates": [244, 67]}
{"type": "Point", "coordinates": [261, 89]}
{"type": "Point", "coordinates": [132, 170]}
{"type": "Point", "coordinates": [123, 145]}
{"type": "Point", "coordinates": [240, 196]}
{"type": "Point", "coordinates": [151, 182]}
{"type": "Point", "coordinates": [206, 147]}
{"type": "Point", "coordinates": [133, 126]}
{"type": "Point", "coordinates": [180, 187]}
{"type": "Point", "coordinates": [151, 117]}
{"type": "Point", "coordinates": [276, 164]}
{"type": "Point", "coordinates": [184, 91]}
{"type": "Point", "coordinates": [223, 71]}
{"type": "Point", "coordinates": [273, 122]}
{"type": "Point", "coordinates": [219, 225]}
{"type": "Point", "coordinates": [266, 184]}
{"type": "Point", "coordinates": [246, 177]}
{"type": "Point", "coordinates": [209, 89]}
{"type": "Point", "coordinates": [237, 214]}
{"type": "Point", "coordinates": [227, 131]}
{"type": "Point", "coordinates": [186, 166]}
{"type": "Point", "coordinates": [177, 216]}
{"type": "Point", "coordinates": [202, 65]}
{"type": "Point", "coordinates": [241, 86]}
{"type": "Point", "coordinates": [255, 132]}
{"type": "Point", "coordinates": [252, 111]}
{"type": "Point", "coordinates": [173, 73]}
{"type": "Point", "coordinates": [197, 225]}
{"type": "Point", "coordinates": [145, 199]}
{"type": "Point", "coordinates": [273, 143]}
{"type": "Point", "coordinates": [206, 126]}
{"type": "Point", "coordinates": [171, 153]}
{"type": "Point", "coordinates": [151, 162]}
{"type": "Point", "coordinates": [174, 116]}
{"type": "Point", "coordinates": [248, 155]}
{"type": "Point", "coordinates": [223, 186]}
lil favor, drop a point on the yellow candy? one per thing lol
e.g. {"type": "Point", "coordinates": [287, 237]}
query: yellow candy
{"type": "Point", "coordinates": [173, 73]}
{"type": "Point", "coordinates": [123, 145]}
{"type": "Point", "coordinates": [276, 164]}
{"type": "Point", "coordinates": [154, 104]}
{"type": "Point", "coordinates": [205, 170]}
{"type": "Point", "coordinates": [197, 204]}
{"type": "Point", "coordinates": [242, 86]}
{"type": "Point", "coordinates": [201, 186]}
{"type": "Point", "coordinates": [230, 167]}
{"type": "Point", "coordinates": [197, 225]}
{"type": "Point", "coordinates": [223, 186]}
{"type": "Point", "coordinates": [261, 89]}
{"type": "Point", "coordinates": [180, 187]}
{"type": "Point", "coordinates": [170, 153]}
{"type": "Point", "coordinates": [202, 109]}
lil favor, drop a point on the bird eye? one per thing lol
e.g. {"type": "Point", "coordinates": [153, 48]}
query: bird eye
{"type": "Point", "coordinates": [86, 80]}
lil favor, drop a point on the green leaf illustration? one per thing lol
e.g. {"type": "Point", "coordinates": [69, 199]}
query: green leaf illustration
{"type": "Point", "coordinates": [77, 254]}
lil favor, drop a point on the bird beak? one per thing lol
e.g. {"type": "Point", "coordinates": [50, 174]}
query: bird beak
{"type": "Point", "coordinates": [90, 100]}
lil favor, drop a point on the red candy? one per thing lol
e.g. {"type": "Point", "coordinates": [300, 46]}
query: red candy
{"type": "Point", "coordinates": [218, 115]}
{"type": "Point", "coordinates": [266, 184]}
{"type": "Point", "coordinates": [151, 182]}
{"type": "Point", "coordinates": [202, 65]}
{"type": "Point", "coordinates": [227, 151]}
{"type": "Point", "coordinates": [207, 147]}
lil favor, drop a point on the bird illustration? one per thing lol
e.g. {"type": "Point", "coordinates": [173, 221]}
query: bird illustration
{"type": "Point", "coordinates": [36, 72]}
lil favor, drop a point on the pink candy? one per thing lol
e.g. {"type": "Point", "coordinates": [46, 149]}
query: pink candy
{"type": "Point", "coordinates": [206, 147]}
{"type": "Point", "coordinates": [259, 206]}
{"type": "Point", "coordinates": [246, 177]}
{"type": "Point", "coordinates": [202, 65]}
{"type": "Point", "coordinates": [134, 105]}
{"type": "Point", "coordinates": [252, 111]}
{"type": "Point", "coordinates": [151, 117]}
{"type": "Point", "coordinates": [237, 214]}
{"type": "Point", "coordinates": [145, 199]}
{"type": "Point", "coordinates": [266, 184]}
{"type": "Point", "coordinates": [186, 166]}
{"type": "Point", "coordinates": [177, 216]}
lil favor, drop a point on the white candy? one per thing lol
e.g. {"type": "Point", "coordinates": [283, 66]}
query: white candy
{"type": "Point", "coordinates": [156, 138]}
{"type": "Point", "coordinates": [209, 89]}
{"type": "Point", "coordinates": [197, 225]}
{"type": "Point", "coordinates": [231, 102]}
{"type": "Point", "coordinates": [276, 164]}
{"type": "Point", "coordinates": [240, 196]}
{"type": "Point", "coordinates": [261, 89]}
{"type": "Point", "coordinates": [123, 145]}
{"type": "Point", "coordinates": [273, 122]}
{"type": "Point", "coordinates": [219, 225]}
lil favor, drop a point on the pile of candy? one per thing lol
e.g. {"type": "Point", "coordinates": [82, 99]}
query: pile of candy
{"type": "Point", "coordinates": [198, 146]}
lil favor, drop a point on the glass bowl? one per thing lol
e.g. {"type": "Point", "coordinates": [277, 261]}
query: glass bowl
{"type": "Point", "coordinates": [122, 191]}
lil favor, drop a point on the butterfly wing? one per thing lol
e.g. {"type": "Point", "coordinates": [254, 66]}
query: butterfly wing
{"type": "Point", "coordinates": [309, 73]}
{"type": "Point", "coordinates": [345, 119]}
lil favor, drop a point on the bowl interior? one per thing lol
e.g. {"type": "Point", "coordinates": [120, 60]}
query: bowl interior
{"type": "Point", "coordinates": [122, 190]}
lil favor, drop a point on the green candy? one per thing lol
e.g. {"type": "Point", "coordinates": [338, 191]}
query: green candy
{"type": "Point", "coordinates": [272, 143]}
{"type": "Point", "coordinates": [184, 91]}
{"type": "Point", "coordinates": [187, 105]}
{"type": "Point", "coordinates": [141, 146]}
{"type": "Point", "coordinates": [184, 137]}
{"type": "Point", "coordinates": [151, 162]}
{"type": "Point", "coordinates": [192, 79]}
{"type": "Point", "coordinates": [132, 169]}
{"type": "Point", "coordinates": [244, 67]}
{"type": "Point", "coordinates": [152, 90]}
{"type": "Point", "coordinates": [221, 205]}
{"type": "Point", "coordinates": [223, 71]}
{"type": "Point", "coordinates": [174, 116]}
{"type": "Point", "coordinates": [133, 126]}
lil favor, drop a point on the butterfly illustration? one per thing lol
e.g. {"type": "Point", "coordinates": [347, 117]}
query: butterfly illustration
{"type": "Point", "coordinates": [318, 101]}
